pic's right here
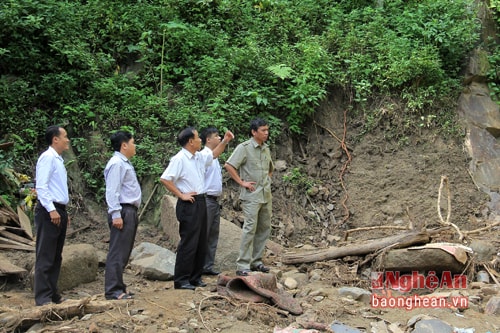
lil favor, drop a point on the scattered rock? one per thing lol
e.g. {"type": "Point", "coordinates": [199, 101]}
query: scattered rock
{"type": "Point", "coordinates": [432, 326]}
{"type": "Point", "coordinates": [493, 306]}
{"type": "Point", "coordinates": [355, 293]}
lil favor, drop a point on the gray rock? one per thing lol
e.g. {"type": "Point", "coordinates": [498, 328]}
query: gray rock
{"type": "Point", "coordinates": [493, 306]}
{"type": "Point", "coordinates": [432, 326]}
{"type": "Point", "coordinates": [355, 293]}
{"type": "Point", "coordinates": [153, 261]}
{"type": "Point", "coordinates": [300, 278]}
{"type": "Point", "coordinates": [280, 165]}
{"type": "Point", "coordinates": [483, 251]}
{"type": "Point", "coordinates": [79, 265]}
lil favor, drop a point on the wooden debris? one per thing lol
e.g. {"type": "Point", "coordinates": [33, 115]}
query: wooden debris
{"type": "Point", "coordinates": [444, 180]}
{"type": "Point", "coordinates": [6, 267]}
{"type": "Point", "coordinates": [15, 229]}
{"type": "Point", "coordinates": [379, 227]}
{"type": "Point", "coordinates": [6, 216]}
{"type": "Point", "coordinates": [6, 243]}
{"type": "Point", "coordinates": [25, 222]}
{"type": "Point", "coordinates": [15, 237]}
{"type": "Point", "coordinates": [15, 319]}
{"type": "Point", "coordinates": [398, 241]}
{"type": "Point", "coordinates": [476, 231]}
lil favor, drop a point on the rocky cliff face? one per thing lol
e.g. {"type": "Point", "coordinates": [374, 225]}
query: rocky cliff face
{"type": "Point", "coordinates": [481, 117]}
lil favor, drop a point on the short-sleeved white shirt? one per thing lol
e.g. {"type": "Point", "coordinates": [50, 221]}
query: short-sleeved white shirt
{"type": "Point", "coordinates": [187, 171]}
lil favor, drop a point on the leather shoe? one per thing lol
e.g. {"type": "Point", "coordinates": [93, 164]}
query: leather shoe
{"type": "Point", "coordinates": [261, 268]}
{"type": "Point", "coordinates": [61, 300]}
{"type": "Point", "coordinates": [243, 272]}
{"type": "Point", "coordinates": [210, 272]}
{"type": "Point", "coordinates": [187, 286]}
{"type": "Point", "coordinates": [199, 283]}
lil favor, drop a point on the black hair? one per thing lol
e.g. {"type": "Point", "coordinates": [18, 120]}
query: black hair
{"type": "Point", "coordinates": [52, 132]}
{"type": "Point", "coordinates": [207, 132]}
{"type": "Point", "coordinates": [118, 138]}
{"type": "Point", "coordinates": [185, 135]}
{"type": "Point", "coordinates": [256, 123]}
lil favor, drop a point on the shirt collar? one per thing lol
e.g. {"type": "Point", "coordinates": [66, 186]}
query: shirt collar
{"type": "Point", "coordinates": [187, 153]}
{"type": "Point", "coordinates": [255, 144]}
{"type": "Point", "coordinates": [55, 153]}
{"type": "Point", "coordinates": [121, 156]}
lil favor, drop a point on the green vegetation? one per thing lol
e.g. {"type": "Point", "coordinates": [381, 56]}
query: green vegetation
{"type": "Point", "coordinates": [494, 58]}
{"type": "Point", "coordinates": [156, 66]}
{"type": "Point", "coordinates": [300, 180]}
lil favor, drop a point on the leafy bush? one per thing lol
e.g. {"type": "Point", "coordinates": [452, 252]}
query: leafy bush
{"type": "Point", "coordinates": [157, 66]}
{"type": "Point", "coordinates": [494, 57]}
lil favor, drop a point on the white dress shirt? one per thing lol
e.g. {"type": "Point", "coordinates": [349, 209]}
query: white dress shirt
{"type": "Point", "coordinates": [51, 180]}
{"type": "Point", "coordinates": [122, 186]}
{"type": "Point", "coordinates": [187, 171]}
{"type": "Point", "coordinates": [213, 176]}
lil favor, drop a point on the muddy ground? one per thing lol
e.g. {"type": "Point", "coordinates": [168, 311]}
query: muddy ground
{"type": "Point", "coordinates": [387, 183]}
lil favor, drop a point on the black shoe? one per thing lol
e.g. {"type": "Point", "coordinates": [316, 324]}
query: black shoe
{"type": "Point", "coordinates": [61, 300]}
{"type": "Point", "coordinates": [199, 283]}
{"type": "Point", "coordinates": [210, 272]}
{"type": "Point", "coordinates": [261, 268]}
{"type": "Point", "coordinates": [188, 286]}
{"type": "Point", "coordinates": [243, 272]}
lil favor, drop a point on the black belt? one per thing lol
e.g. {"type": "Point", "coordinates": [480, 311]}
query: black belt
{"type": "Point", "coordinates": [198, 196]}
{"type": "Point", "coordinates": [56, 204]}
{"type": "Point", "coordinates": [60, 206]}
{"type": "Point", "coordinates": [214, 197]}
{"type": "Point", "coordinates": [128, 205]}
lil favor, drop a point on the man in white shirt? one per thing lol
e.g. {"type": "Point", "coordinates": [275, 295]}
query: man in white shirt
{"type": "Point", "coordinates": [123, 197]}
{"type": "Point", "coordinates": [213, 187]}
{"type": "Point", "coordinates": [185, 178]}
{"type": "Point", "coordinates": [51, 217]}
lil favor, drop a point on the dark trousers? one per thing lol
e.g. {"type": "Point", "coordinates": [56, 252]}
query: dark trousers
{"type": "Point", "coordinates": [121, 243]}
{"type": "Point", "coordinates": [49, 246]}
{"type": "Point", "coordinates": [213, 226]}
{"type": "Point", "coordinates": [192, 247]}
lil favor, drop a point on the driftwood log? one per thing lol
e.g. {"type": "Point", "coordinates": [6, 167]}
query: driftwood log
{"type": "Point", "coordinates": [397, 241]}
{"type": "Point", "coordinates": [11, 320]}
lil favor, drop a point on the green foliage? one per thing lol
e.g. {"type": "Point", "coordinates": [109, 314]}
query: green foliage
{"type": "Point", "coordinates": [494, 57]}
{"type": "Point", "coordinates": [404, 46]}
{"type": "Point", "coordinates": [297, 178]}
{"type": "Point", "coordinates": [158, 66]}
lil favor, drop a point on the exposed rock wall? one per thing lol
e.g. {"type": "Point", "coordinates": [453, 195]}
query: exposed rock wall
{"type": "Point", "coordinates": [481, 116]}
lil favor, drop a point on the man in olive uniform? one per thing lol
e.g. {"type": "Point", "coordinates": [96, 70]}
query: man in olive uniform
{"type": "Point", "coordinates": [252, 159]}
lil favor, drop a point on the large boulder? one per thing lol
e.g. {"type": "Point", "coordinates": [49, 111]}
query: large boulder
{"type": "Point", "coordinates": [79, 265]}
{"type": "Point", "coordinates": [168, 220]}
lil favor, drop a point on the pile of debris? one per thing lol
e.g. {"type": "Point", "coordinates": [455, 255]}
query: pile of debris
{"type": "Point", "coordinates": [15, 234]}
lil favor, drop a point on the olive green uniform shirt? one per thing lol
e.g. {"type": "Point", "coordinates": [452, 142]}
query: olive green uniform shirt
{"type": "Point", "coordinates": [254, 164]}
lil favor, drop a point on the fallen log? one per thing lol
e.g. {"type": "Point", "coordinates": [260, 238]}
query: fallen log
{"type": "Point", "coordinates": [396, 241]}
{"type": "Point", "coordinates": [13, 320]}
